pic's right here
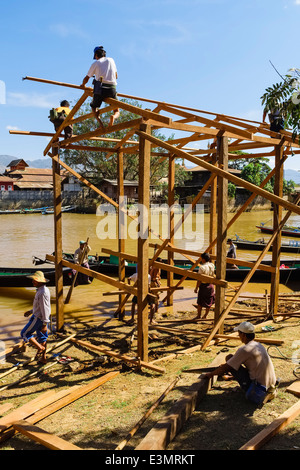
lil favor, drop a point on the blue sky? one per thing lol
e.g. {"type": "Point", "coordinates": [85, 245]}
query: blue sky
{"type": "Point", "coordinates": [209, 54]}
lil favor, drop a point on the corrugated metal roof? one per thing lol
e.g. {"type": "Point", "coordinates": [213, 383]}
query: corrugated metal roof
{"type": "Point", "coordinates": [35, 185]}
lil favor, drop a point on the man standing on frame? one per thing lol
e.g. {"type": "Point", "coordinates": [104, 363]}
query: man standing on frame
{"type": "Point", "coordinates": [105, 82]}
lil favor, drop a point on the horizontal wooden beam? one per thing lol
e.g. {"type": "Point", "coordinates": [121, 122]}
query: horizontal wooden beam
{"type": "Point", "coordinates": [101, 277]}
{"type": "Point", "coordinates": [123, 357]}
{"type": "Point", "coordinates": [225, 174]}
{"type": "Point", "coordinates": [171, 268]}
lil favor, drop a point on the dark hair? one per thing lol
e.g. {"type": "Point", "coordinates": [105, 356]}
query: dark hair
{"type": "Point", "coordinates": [250, 336]}
{"type": "Point", "coordinates": [65, 103]}
{"type": "Point", "coordinates": [100, 52]}
{"type": "Point", "coordinates": [205, 256]}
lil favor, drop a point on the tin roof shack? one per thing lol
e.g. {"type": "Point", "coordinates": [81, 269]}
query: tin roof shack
{"type": "Point", "coordinates": [110, 188]}
{"type": "Point", "coordinates": [192, 186]}
{"type": "Point", "coordinates": [33, 178]}
{"type": "Point", "coordinates": [6, 183]}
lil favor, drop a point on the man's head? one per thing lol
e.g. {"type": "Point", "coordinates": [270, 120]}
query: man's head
{"type": "Point", "coordinates": [65, 104]}
{"type": "Point", "coordinates": [246, 331]}
{"type": "Point", "coordinates": [38, 279]}
{"type": "Point", "coordinates": [99, 52]}
{"type": "Point", "coordinates": [205, 257]}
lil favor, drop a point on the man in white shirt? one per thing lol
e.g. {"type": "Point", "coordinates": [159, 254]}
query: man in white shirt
{"type": "Point", "coordinates": [151, 302]}
{"type": "Point", "coordinates": [40, 317]}
{"type": "Point", "coordinates": [105, 82]}
{"type": "Point", "coordinates": [82, 251]}
{"type": "Point", "coordinates": [251, 366]}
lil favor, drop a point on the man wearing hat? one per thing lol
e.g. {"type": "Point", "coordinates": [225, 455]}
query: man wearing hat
{"type": "Point", "coordinates": [81, 256]}
{"type": "Point", "coordinates": [105, 82]}
{"type": "Point", "coordinates": [40, 317]}
{"type": "Point", "coordinates": [251, 366]}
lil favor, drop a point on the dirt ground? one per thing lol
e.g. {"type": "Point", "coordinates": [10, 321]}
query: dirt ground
{"type": "Point", "coordinates": [100, 420]}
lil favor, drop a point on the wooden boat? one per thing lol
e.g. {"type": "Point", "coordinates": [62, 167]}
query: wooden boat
{"type": "Point", "coordinates": [290, 270]}
{"type": "Point", "coordinates": [286, 231]}
{"type": "Point", "coordinates": [18, 277]}
{"type": "Point", "coordinates": [290, 246]}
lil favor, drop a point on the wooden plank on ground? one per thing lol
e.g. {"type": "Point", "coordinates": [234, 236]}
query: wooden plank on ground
{"type": "Point", "coordinates": [123, 357]}
{"type": "Point", "coordinates": [266, 434]}
{"type": "Point", "coordinates": [166, 428]}
{"type": "Point", "coordinates": [43, 437]}
{"type": "Point", "coordinates": [294, 388]}
{"type": "Point", "coordinates": [75, 393]}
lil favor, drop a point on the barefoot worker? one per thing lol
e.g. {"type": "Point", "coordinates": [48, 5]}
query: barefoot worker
{"type": "Point", "coordinates": [40, 317]}
{"type": "Point", "coordinates": [251, 367]}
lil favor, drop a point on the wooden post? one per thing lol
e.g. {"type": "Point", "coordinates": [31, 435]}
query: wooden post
{"type": "Point", "coordinates": [277, 216]}
{"type": "Point", "coordinates": [213, 212]}
{"type": "Point", "coordinates": [143, 243]}
{"type": "Point", "coordinates": [171, 201]}
{"type": "Point", "coordinates": [58, 242]}
{"type": "Point", "coordinates": [121, 231]}
{"type": "Point", "coordinates": [222, 145]}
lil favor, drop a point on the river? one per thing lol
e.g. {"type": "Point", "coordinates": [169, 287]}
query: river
{"type": "Point", "coordinates": [23, 236]}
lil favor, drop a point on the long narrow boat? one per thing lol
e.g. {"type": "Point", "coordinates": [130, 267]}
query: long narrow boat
{"type": "Point", "coordinates": [289, 271]}
{"type": "Point", "coordinates": [290, 246]}
{"type": "Point", "coordinates": [18, 277]}
{"type": "Point", "coordinates": [286, 231]}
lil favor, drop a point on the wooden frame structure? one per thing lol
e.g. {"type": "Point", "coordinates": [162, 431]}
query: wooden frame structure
{"type": "Point", "coordinates": [206, 139]}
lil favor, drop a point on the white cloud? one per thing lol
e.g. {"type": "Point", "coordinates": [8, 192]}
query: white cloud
{"type": "Point", "coordinates": [12, 128]}
{"type": "Point", "coordinates": [297, 2]}
{"type": "Point", "coordinates": [65, 30]}
{"type": "Point", "coordinates": [34, 100]}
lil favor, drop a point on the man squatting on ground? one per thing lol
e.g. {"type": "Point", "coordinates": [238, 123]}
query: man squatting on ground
{"type": "Point", "coordinates": [105, 82]}
{"type": "Point", "coordinates": [40, 317]}
{"type": "Point", "coordinates": [251, 366]}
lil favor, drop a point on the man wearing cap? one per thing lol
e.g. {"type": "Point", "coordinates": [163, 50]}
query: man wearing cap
{"type": "Point", "coordinates": [40, 317]}
{"type": "Point", "coordinates": [105, 82]}
{"type": "Point", "coordinates": [81, 254]}
{"type": "Point", "coordinates": [251, 366]}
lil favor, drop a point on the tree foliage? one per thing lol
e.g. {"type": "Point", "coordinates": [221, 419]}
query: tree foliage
{"type": "Point", "coordinates": [99, 165]}
{"type": "Point", "coordinates": [285, 96]}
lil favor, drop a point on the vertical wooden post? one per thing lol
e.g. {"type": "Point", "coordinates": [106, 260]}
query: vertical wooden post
{"type": "Point", "coordinates": [121, 230]}
{"type": "Point", "coordinates": [143, 243]}
{"type": "Point", "coordinates": [57, 200]}
{"type": "Point", "coordinates": [277, 216]}
{"type": "Point", "coordinates": [213, 212]}
{"type": "Point", "coordinates": [171, 201]}
{"type": "Point", "coordinates": [221, 228]}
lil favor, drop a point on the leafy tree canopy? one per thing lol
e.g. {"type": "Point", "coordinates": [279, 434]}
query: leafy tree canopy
{"type": "Point", "coordinates": [285, 96]}
{"type": "Point", "coordinates": [98, 165]}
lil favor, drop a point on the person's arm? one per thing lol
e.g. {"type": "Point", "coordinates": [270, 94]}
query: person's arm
{"type": "Point", "coordinates": [197, 286]}
{"type": "Point", "coordinates": [222, 369]}
{"type": "Point", "coordinates": [85, 80]}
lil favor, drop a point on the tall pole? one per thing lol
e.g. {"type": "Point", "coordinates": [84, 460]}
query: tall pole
{"type": "Point", "coordinates": [221, 228]}
{"type": "Point", "coordinates": [171, 201]}
{"type": "Point", "coordinates": [58, 241]}
{"type": "Point", "coordinates": [143, 242]}
{"type": "Point", "coordinates": [121, 231]}
{"type": "Point", "coordinates": [277, 216]}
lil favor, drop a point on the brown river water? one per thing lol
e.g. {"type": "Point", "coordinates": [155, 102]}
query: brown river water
{"type": "Point", "coordinates": [23, 236]}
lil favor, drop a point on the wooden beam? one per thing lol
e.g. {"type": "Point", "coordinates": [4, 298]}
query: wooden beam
{"type": "Point", "coordinates": [101, 277]}
{"type": "Point", "coordinates": [220, 172]}
{"type": "Point", "coordinates": [57, 201]}
{"type": "Point", "coordinates": [123, 357]}
{"type": "Point", "coordinates": [164, 431]}
{"type": "Point", "coordinates": [274, 428]}
{"type": "Point", "coordinates": [143, 244]}
{"type": "Point", "coordinates": [222, 196]}
{"type": "Point", "coordinates": [43, 437]}
{"type": "Point", "coordinates": [121, 228]}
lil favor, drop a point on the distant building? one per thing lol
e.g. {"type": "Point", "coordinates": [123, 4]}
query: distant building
{"type": "Point", "coordinates": [6, 183]}
{"type": "Point", "coordinates": [26, 178]}
{"type": "Point", "coordinates": [110, 188]}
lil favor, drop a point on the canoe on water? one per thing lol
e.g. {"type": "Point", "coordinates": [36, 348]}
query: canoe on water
{"type": "Point", "coordinates": [289, 271]}
{"type": "Point", "coordinates": [18, 277]}
{"type": "Point", "coordinates": [290, 246]}
{"type": "Point", "coordinates": [286, 231]}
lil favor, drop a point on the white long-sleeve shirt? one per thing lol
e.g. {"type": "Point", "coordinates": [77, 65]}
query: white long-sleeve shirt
{"type": "Point", "coordinates": [42, 304]}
